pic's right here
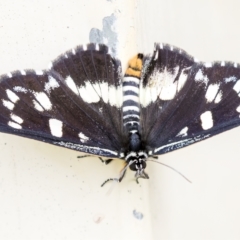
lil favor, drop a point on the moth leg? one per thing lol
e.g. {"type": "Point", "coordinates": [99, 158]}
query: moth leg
{"type": "Point", "coordinates": [122, 174]}
{"type": "Point", "coordinates": [115, 179]}
{"type": "Point", "coordinates": [107, 161]}
{"type": "Point", "coordinates": [145, 177]}
{"type": "Point", "coordinates": [84, 156]}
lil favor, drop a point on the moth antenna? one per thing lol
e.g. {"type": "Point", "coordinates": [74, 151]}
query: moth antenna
{"type": "Point", "coordinates": [171, 168]}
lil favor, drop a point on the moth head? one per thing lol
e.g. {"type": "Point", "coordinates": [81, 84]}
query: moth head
{"type": "Point", "coordinates": [138, 164]}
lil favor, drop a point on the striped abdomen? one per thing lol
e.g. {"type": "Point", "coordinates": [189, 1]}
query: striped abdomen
{"type": "Point", "coordinates": [131, 81]}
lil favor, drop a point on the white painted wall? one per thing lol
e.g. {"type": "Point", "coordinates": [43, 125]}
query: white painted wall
{"type": "Point", "coordinates": [47, 193]}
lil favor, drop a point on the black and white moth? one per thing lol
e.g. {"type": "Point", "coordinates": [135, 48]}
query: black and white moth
{"type": "Point", "coordinates": [165, 101]}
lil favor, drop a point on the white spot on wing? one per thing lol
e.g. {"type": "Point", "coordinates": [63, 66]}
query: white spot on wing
{"type": "Point", "coordinates": [222, 64]}
{"type": "Point", "coordinates": [43, 99]}
{"type": "Point", "coordinates": [104, 91]}
{"type": "Point", "coordinates": [236, 87]}
{"type": "Point", "coordinates": [218, 97]}
{"type": "Point", "coordinates": [115, 96]}
{"type": "Point", "coordinates": [71, 84]}
{"type": "Point", "coordinates": [16, 118]}
{"type": "Point", "coordinates": [50, 65]}
{"type": "Point", "coordinates": [150, 152]}
{"type": "Point", "coordinates": [14, 125]}
{"type": "Point", "coordinates": [211, 92]}
{"type": "Point", "coordinates": [39, 72]}
{"type": "Point", "coordinates": [56, 127]}
{"type": "Point", "coordinates": [37, 106]}
{"type": "Point", "coordinates": [230, 79]}
{"type": "Point", "coordinates": [23, 72]}
{"type": "Point", "coordinates": [162, 85]}
{"type": "Point", "coordinates": [12, 96]}
{"type": "Point", "coordinates": [73, 51]}
{"type": "Point", "coordinates": [182, 80]}
{"type": "Point", "coordinates": [167, 85]}
{"type": "Point", "coordinates": [51, 84]}
{"type": "Point", "coordinates": [208, 64]}
{"type": "Point", "coordinates": [207, 121]}
{"type": "Point", "coordinates": [148, 95]}
{"type": "Point", "coordinates": [92, 93]}
{"type": "Point", "coordinates": [88, 93]}
{"type": "Point", "coordinates": [83, 138]}
{"type": "Point", "coordinates": [183, 132]}
{"type": "Point", "coordinates": [20, 89]}
{"type": "Point", "coordinates": [9, 75]}
{"type": "Point", "coordinates": [8, 104]}
{"type": "Point", "coordinates": [238, 109]}
{"type": "Point", "coordinates": [199, 77]}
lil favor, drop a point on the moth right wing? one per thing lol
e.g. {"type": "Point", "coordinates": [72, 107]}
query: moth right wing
{"type": "Point", "coordinates": [184, 102]}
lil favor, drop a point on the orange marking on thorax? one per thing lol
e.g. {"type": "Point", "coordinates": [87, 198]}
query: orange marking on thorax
{"type": "Point", "coordinates": [135, 66]}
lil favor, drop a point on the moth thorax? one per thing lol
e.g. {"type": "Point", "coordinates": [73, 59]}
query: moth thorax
{"type": "Point", "coordinates": [135, 142]}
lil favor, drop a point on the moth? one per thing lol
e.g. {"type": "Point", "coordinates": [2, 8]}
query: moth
{"type": "Point", "coordinates": [165, 101]}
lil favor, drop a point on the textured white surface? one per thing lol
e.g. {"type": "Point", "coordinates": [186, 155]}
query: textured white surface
{"type": "Point", "coordinates": [47, 193]}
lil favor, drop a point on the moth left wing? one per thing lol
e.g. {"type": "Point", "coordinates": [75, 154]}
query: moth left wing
{"type": "Point", "coordinates": [76, 104]}
{"type": "Point", "coordinates": [191, 103]}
